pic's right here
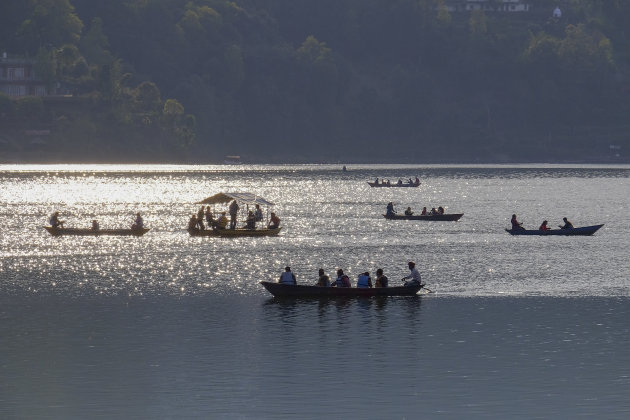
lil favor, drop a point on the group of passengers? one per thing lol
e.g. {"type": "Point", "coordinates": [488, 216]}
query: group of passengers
{"type": "Point", "coordinates": [400, 181]}
{"type": "Point", "coordinates": [433, 212]}
{"type": "Point", "coordinates": [55, 223]}
{"type": "Point", "coordinates": [196, 221]}
{"type": "Point", "coordinates": [516, 225]}
{"type": "Point", "coordinates": [363, 279]}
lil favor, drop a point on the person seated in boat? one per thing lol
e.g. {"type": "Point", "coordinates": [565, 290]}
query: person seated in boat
{"type": "Point", "coordinates": [138, 223]}
{"type": "Point", "coordinates": [433, 212]}
{"type": "Point", "coordinates": [440, 210]}
{"type": "Point", "coordinates": [200, 217]}
{"type": "Point", "coordinates": [342, 280]}
{"type": "Point", "coordinates": [417, 181]}
{"type": "Point", "coordinates": [251, 220]}
{"type": "Point", "coordinates": [390, 209]}
{"type": "Point", "coordinates": [95, 225]}
{"type": "Point", "coordinates": [287, 277]}
{"type": "Point", "coordinates": [410, 181]}
{"type": "Point", "coordinates": [424, 211]}
{"type": "Point", "coordinates": [408, 212]}
{"type": "Point", "coordinates": [544, 226]}
{"type": "Point", "coordinates": [258, 213]}
{"type": "Point", "coordinates": [381, 279]}
{"type": "Point", "coordinates": [323, 280]}
{"type": "Point", "coordinates": [384, 182]}
{"type": "Point", "coordinates": [364, 280]}
{"type": "Point", "coordinates": [54, 221]}
{"type": "Point", "coordinates": [222, 221]}
{"type": "Point", "coordinates": [414, 278]}
{"type": "Point", "coordinates": [376, 181]}
{"type": "Point", "coordinates": [389, 183]}
{"type": "Point", "coordinates": [567, 224]}
{"type": "Point", "coordinates": [192, 223]}
{"type": "Point", "coordinates": [399, 181]}
{"type": "Point", "coordinates": [516, 225]}
{"type": "Point", "coordinates": [274, 221]}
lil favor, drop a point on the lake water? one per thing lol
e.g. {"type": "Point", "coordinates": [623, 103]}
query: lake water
{"type": "Point", "coordinates": [170, 326]}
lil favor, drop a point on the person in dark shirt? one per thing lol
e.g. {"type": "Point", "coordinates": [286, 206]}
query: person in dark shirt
{"type": "Point", "coordinates": [381, 279]}
{"type": "Point", "coordinates": [567, 224]}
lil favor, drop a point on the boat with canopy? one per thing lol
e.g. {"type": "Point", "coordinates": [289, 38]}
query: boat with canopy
{"type": "Point", "coordinates": [247, 201]}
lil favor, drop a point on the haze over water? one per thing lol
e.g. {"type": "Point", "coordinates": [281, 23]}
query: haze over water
{"type": "Point", "coordinates": [169, 326]}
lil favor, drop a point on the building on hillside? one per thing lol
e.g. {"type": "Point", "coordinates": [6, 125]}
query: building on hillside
{"type": "Point", "coordinates": [507, 6]}
{"type": "Point", "coordinates": [18, 78]}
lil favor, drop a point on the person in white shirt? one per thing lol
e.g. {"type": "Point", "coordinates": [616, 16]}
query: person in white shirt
{"type": "Point", "coordinates": [287, 277]}
{"type": "Point", "coordinates": [414, 277]}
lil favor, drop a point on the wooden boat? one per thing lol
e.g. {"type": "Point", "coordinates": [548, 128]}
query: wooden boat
{"type": "Point", "coordinates": [239, 232]}
{"type": "Point", "coordinates": [395, 184]}
{"type": "Point", "coordinates": [305, 291]}
{"type": "Point", "coordinates": [95, 232]}
{"type": "Point", "coordinates": [579, 231]}
{"type": "Point", "coordinates": [453, 217]}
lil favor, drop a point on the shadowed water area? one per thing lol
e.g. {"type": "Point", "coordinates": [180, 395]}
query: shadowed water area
{"type": "Point", "coordinates": [171, 326]}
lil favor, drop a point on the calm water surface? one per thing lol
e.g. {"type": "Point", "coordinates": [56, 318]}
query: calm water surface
{"type": "Point", "coordinates": [169, 326]}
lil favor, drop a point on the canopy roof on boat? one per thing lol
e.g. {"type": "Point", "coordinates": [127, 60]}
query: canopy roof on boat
{"type": "Point", "coordinates": [243, 197]}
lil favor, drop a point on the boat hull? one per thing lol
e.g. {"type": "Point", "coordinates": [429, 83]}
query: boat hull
{"type": "Point", "coordinates": [93, 232]}
{"type": "Point", "coordinates": [230, 233]}
{"type": "Point", "coordinates": [304, 291]}
{"type": "Point", "coordinates": [403, 185]}
{"type": "Point", "coordinates": [579, 231]}
{"type": "Point", "coordinates": [435, 218]}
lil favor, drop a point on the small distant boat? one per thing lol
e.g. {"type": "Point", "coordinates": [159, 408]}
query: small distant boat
{"type": "Point", "coordinates": [394, 184]}
{"type": "Point", "coordinates": [95, 232]}
{"type": "Point", "coordinates": [579, 231]}
{"type": "Point", "coordinates": [232, 160]}
{"type": "Point", "coordinates": [453, 217]}
{"type": "Point", "coordinates": [281, 290]}
{"type": "Point", "coordinates": [235, 232]}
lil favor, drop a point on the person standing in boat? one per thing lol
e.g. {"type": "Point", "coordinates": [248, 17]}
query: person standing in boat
{"type": "Point", "coordinates": [567, 224]}
{"type": "Point", "coordinates": [364, 280]}
{"type": "Point", "coordinates": [544, 226]}
{"type": "Point", "coordinates": [258, 213]}
{"type": "Point", "coordinates": [342, 280]}
{"type": "Point", "coordinates": [516, 225]}
{"type": "Point", "coordinates": [200, 217]}
{"type": "Point", "coordinates": [95, 225]}
{"type": "Point", "coordinates": [324, 280]}
{"type": "Point", "coordinates": [414, 277]}
{"type": "Point", "coordinates": [54, 220]}
{"type": "Point", "coordinates": [233, 212]}
{"type": "Point", "coordinates": [381, 279]}
{"type": "Point", "coordinates": [390, 209]}
{"type": "Point", "coordinates": [287, 277]}
{"type": "Point", "coordinates": [274, 221]}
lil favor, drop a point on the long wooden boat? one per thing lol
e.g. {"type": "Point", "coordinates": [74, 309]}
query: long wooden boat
{"type": "Point", "coordinates": [296, 291]}
{"type": "Point", "coordinates": [95, 232]}
{"type": "Point", "coordinates": [392, 185]}
{"type": "Point", "coordinates": [579, 231]}
{"type": "Point", "coordinates": [239, 232]}
{"type": "Point", "coordinates": [453, 217]}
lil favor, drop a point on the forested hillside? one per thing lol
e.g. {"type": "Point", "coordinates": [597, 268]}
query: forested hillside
{"type": "Point", "coordinates": [321, 80]}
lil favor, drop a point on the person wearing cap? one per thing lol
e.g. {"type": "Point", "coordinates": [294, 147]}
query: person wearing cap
{"type": "Point", "coordinates": [274, 221]}
{"type": "Point", "coordinates": [413, 277]}
{"type": "Point", "coordinates": [364, 280]}
{"type": "Point", "coordinates": [287, 277]}
{"type": "Point", "coordinates": [324, 280]}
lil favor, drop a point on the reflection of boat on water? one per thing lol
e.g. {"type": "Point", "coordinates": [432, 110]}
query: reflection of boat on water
{"type": "Point", "coordinates": [238, 232]}
{"type": "Point", "coordinates": [246, 202]}
{"type": "Point", "coordinates": [453, 217]}
{"type": "Point", "coordinates": [95, 232]}
{"type": "Point", "coordinates": [578, 231]}
{"type": "Point", "coordinates": [232, 160]}
{"type": "Point", "coordinates": [306, 291]}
